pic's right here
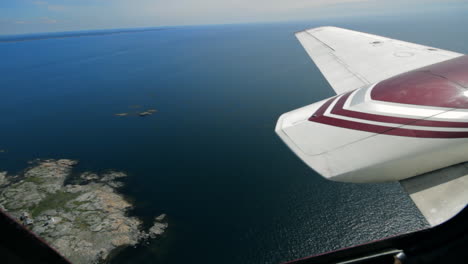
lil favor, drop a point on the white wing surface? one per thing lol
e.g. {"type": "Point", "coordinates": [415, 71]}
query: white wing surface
{"type": "Point", "coordinates": [350, 137]}
{"type": "Point", "coordinates": [439, 194]}
{"type": "Point", "coordinates": [350, 59]}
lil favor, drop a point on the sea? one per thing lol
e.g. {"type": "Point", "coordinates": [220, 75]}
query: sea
{"type": "Point", "coordinates": [209, 157]}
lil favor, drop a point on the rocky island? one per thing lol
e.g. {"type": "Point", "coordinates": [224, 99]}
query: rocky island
{"type": "Point", "coordinates": [83, 221]}
{"type": "Point", "coordinates": [140, 114]}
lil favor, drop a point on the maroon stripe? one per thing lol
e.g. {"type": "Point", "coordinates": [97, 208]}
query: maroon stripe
{"type": "Point", "coordinates": [339, 110]}
{"type": "Point", "coordinates": [319, 117]}
{"type": "Point", "coordinates": [426, 133]}
{"type": "Point", "coordinates": [351, 124]}
{"type": "Point", "coordinates": [388, 130]}
{"type": "Point", "coordinates": [322, 109]}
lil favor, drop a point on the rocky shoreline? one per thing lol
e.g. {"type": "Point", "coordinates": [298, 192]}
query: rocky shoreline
{"type": "Point", "coordinates": [84, 221]}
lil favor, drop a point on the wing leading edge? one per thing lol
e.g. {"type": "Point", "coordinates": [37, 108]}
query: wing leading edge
{"type": "Point", "coordinates": [350, 59]}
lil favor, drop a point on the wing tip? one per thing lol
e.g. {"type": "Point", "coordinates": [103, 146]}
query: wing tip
{"type": "Point", "coordinates": [316, 29]}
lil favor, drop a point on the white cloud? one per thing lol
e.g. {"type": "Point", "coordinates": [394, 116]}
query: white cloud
{"type": "Point", "coordinates": [47, 20]}
{"type": "Point", "coordinates": [40, 2]}
{"type": "Point", "coordinates": [56, 7]}
{"type": "Point", "coordinates": [50, 7]}
{"type": "Point", "coordinates": [233, 11]}
{"type": "Point", "coordinates": [91, 14]}
{"type": "Point", "coordinates": [177, 12]}
{"type": "Point", "coordinates": [40, 20]}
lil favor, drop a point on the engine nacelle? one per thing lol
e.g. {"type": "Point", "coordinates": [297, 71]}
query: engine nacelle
{"type": "Point", "coordinates": [404, 126]}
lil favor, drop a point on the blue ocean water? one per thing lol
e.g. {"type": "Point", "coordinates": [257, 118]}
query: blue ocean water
{"type": "Point", "coordinates": [209, 157]}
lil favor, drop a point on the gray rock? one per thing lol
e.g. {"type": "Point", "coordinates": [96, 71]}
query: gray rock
{"type": "Point", "coordinates": [68, 216]}
{"type": "Point", "coordinates": [115, 184]}
{"type": "Point", "coordinates": [74, 188]}
{"type": "Point", "coordinates": [160, 218]}
{"type": "Point", "coordinates": [50, 212]}
{"type": "Point", "coordinates": [21, 195]}
{"type": "Point", "coordinates": [63, 229]}
{"type": "Point", "coordinates": [112, 175]}
{"type": "Point", "coordinates": [146, 113]}
{"type": "Point", "coordinates": [67, 162]}
{"type": "Point", "coordinates": [83, 222]}
{"type": "Point", "coordinates": [96, 227]}
{"type": "Point", "coordinates": [3, 178]}
{"type": "Point", "coordinates": [28, 221]}
{"type": "Point", "coordinates": [24, 215]}
{"type": "Point", "coordinates": [42, 218]}
{"type": "Point", "coordinates": [55, 220]}
{"type": "Point", "coordinates": [158, 227]}
{"type": "Point", "coordinates": [89, 176]}
{"type": "Point", "coordinates": [39, 229]}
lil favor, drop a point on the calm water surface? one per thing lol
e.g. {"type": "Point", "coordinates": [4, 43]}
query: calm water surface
{"type": "Point", "coordinates": [209, 158]}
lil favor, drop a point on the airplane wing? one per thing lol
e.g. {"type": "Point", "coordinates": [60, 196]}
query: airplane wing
{"type": "Point", "coordinates": [440, 194]}
{"type": "Point", "coordinates": [350, 59]}
{"type": "Point", "coordinates": [401, 114]}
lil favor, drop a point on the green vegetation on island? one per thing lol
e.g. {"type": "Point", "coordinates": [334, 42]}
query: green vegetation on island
{"type": "Point", "coordinates": [83, 221]}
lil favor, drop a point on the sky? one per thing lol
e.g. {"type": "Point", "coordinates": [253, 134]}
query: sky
{"type": "Point", "coordinates": [34, 16]}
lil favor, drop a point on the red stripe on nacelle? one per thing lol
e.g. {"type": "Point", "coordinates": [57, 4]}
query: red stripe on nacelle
{"type": "Point", "coordinates": [319, 117]}
{"type": "Point", "coordinates": [388, 130]}
{"type": "Point", "coordinates": [339, 110]}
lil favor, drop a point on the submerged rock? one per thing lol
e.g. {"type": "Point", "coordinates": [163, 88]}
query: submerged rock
{"type": "Point", "coordinates": [158, 227]}
{"type": "Point", "coordinates": [3, 179]}
{"type": "Point", "coordinates": [141, 114]}
{"type": "Point", "coordinates": [146, 113]}
{"type": "Point", "coordinates": [112, 175]}
{"type": "Point", "coordinates": [160, 218]}
{"type": "Point", "coordinates": [83, 222]}
{"type": "Point", "coordinates": [89, 176]}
